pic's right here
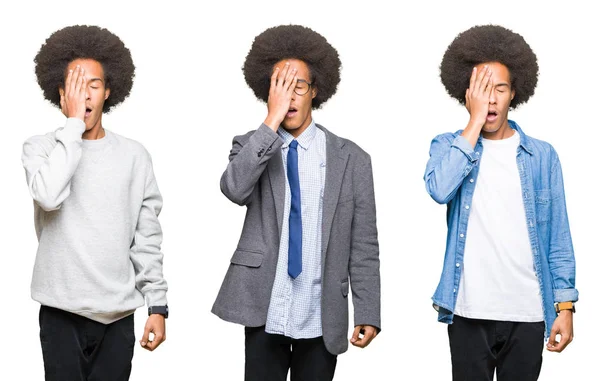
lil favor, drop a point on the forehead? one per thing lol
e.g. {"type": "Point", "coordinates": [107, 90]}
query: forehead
{"type": "Point", "coordinates": [500, 73]}
{"type": "Point", "coordinates": [301, 66]}
{"type": "Point", "coordinates": [93, 68]}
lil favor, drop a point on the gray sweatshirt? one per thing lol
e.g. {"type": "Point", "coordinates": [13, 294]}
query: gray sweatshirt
{"type": "Point", "coordinates": [96, 206]}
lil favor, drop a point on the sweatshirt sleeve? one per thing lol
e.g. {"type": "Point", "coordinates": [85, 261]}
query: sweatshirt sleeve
{"type": "Point", "coordinates": [50, 162]}
{"type": "Point", "coordinates": [145, 251]}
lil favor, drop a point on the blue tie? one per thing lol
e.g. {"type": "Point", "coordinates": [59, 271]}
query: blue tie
{"type": "Point", "coordinates": [295, 246]}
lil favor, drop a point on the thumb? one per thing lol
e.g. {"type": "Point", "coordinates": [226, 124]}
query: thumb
{"type": "Point", "coordinates": [552, 339]}
{"type": "Point", "coordinates": [357, 329]}
{"type": "Point", "coordinates": [146, 336]}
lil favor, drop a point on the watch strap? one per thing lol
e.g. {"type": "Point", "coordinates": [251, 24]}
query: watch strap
{"type": "Point", "coordinates": [161, 310]}
{"type": "Point", "coordinates": [565, 306]}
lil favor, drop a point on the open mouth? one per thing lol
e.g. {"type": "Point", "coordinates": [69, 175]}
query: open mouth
{"type": "Point", "coordinates": [88, 111]}
{"type": "Point", "coordinates": [492, 116]}
{"type": "Point", "coordinates": [291, 112]}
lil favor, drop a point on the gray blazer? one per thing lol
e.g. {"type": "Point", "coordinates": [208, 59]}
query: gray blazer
{"type": "Point", "coordinates": [255, 178]}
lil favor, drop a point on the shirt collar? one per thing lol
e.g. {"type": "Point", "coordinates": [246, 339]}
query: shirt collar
{"type": "Point", "coordinates": [304, 140]}
{"type": "Point", "coordinates": [525, 143]}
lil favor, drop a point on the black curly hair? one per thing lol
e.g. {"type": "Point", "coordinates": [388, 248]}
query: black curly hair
{"type": "Point", "coordinates": [293, 42]}
{"type": "Point", "coordinates": [489, 43]}
{"type": "Point", "coordinates": [85, 41]}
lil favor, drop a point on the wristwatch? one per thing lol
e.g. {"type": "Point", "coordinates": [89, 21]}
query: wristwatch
{"type": "Point", "coordinates": [161, 310]}
{"type": "Point", "coordinates": [564, 306]}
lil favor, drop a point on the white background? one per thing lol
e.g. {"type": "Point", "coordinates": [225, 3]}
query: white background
{"type": "Point", "coordinates": [189, 99]}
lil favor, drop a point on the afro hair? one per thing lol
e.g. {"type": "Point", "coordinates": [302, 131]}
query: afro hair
{"type": "Point", "coordinates": [489, 43]}
{"type": "Point", "coordinates": [293, 42]}
{"type": "Point", "coordinates": [87, 42]}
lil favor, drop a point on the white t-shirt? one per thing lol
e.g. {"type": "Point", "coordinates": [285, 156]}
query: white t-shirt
{"type": "Point", "coordinates": [498, 280]}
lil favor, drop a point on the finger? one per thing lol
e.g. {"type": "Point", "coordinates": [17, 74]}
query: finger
{"type": "Point", "coordinates": [355, 334]}
{"type": "Point", "coordinates": [480, 76]}
{"type": "Point", "coordinates": [156, 341]}
{"type": "Point", "coordinates": [289, 77]}
{"type": "Point", "coordinates": [68, 82]}
{"type": "Point", "coordinates": [467, 96]}
{"type": "Point", "coordinates": [369, 336]}
{"type": "Point", "coordinates": [293, 83]}
{"type": "Point", "coordinates": [486, 80]}
{"type": "Point", "coordinates": [490, 88]}
{"type": "Point", "coordinates": [80, 82]}
{"type": "Point", "coordinates": [274, 78]}
{"type": "Point", "coordinates": [559, 346]}
{"type": "Point", "coordinates": [283, 74]}
{"type": "Point", "coordinates": [74, 78]}
{"type": "Point", "coordinates": [473, 78]}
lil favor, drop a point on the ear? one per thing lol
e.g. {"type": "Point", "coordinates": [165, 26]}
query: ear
{"type": "Point", "coordinates": [512, 94]}
{"type": "Point", "coordinates": [61, 91]}
{"type": "Point", "coordinates": [106, 93]}
{"type": "Point", "coordinates": [314, 90]}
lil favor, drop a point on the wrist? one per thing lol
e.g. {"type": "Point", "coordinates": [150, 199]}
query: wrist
{"type": "Point", "coordinates": [564, 306]}
{"type": "Point", "coordinates": [273, 122]}
{"type": "Point", "coordinates": [159, 310]}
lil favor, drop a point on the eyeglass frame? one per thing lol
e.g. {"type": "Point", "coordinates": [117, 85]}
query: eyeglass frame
{"type": "Point", "coordinates": [304, 81]}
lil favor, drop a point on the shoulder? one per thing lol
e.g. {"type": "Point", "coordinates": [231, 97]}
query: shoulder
{"type": "Point", "coordinates": [346, 144]}
{"type": "Point", "coordinates": [42, 143]}
{"type": "Point", "coordinates": [446, 137]}
{"type": "Point", "coordinates": [538, 147]}
{"type": "Point", "coordinates": [130, 146]}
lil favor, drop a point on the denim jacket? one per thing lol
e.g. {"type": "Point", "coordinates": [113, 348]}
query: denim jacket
{"type": "Point", "coordinates": [450, 178]}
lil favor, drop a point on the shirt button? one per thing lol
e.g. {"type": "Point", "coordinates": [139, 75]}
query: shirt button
{"type": "Point", "coordinates": [467, 207]}
{"type": "Point", "coordinates": [455, 291]}
{"type": "Point", "coordinates": [458, 265]}
{"type": "Point", "coordinates": [477, 153]}
{"type": "Point", "coordinates": [462, 235]}
{"type": "Point", "coordinates": [471, 180]}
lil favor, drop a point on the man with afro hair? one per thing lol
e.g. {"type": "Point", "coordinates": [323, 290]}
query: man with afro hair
{"type": "Point", "coordinates": [310, 231]}
{"type": "Point", "coordinates": [508, 279]}
{"type": "Point", "coordinates": [96, 207]}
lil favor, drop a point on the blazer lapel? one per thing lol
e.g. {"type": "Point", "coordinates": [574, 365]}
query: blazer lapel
{"type": "Point", "coordinates": [337, 159]}
{"type": "Point", "coordinates": [277, 180]}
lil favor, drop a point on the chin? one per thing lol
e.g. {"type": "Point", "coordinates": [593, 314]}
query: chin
{"type": "Point", "coordinates": [290, 126]}
{"type": "Point", "coordinates": [490, 129]}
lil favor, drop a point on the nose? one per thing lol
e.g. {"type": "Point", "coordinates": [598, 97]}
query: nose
{"type": "Point", "coordinates": [493, 96]}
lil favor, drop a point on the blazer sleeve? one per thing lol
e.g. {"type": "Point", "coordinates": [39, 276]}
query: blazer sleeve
{"type": "Point", "coordinates": [364, 256]}
{"type": "Point", "coordinates": [248, 159]}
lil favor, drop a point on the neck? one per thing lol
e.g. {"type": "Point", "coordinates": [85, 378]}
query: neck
{"type": "Point", "coordinates": [94, 133]}
{"type": "Point", "coordinates": [502, 133]}
{"type": "Point", "coordinates": [298, 131]}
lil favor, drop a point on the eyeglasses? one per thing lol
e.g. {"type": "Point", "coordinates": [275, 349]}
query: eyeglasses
{"type": "Point", "coordinates": [302, 87]}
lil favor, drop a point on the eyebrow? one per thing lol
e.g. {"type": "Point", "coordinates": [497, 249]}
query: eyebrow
{"type": "Point", "coordinates": [502, 84]}
{"type": "Point", "coordinates": [95, 79]}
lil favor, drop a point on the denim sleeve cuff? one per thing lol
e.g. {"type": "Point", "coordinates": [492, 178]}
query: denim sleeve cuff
{"type": "Point", "coordinates": [465, 147]}
{"type": "Point", "coordinates": [566, 295]}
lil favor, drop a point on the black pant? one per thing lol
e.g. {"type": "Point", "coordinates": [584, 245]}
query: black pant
{"type": "Point", "coordinates": [478, 347]}
{"type": "Point", "coordinates": [76, 348]}
{"type": "Point", "coordinates": [268, 358]}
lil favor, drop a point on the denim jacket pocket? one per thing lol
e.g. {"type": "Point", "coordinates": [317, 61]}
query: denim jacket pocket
{"type": "Point", "coordinates": [543, 203]}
